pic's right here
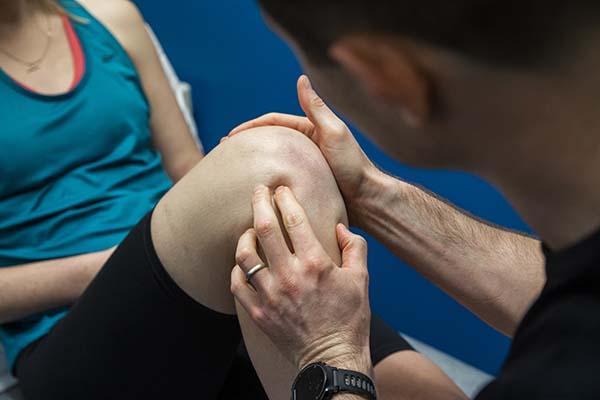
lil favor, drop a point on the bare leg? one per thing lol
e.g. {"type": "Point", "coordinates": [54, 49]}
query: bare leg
{"type": "Point", "coordinates": [195, 227]}
{"type": "Point", "coordinates": [408, 375]}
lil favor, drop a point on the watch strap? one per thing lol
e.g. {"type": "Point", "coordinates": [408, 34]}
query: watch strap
{"type": "Point", "coordinates": [354, 382]}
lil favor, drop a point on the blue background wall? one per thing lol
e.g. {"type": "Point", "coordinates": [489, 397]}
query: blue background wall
{"type": "Point", "coordinates": [239, 70]}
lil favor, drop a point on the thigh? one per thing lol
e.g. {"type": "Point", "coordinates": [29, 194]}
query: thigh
{"type": "Point", "coordinates": [243, 381]}
{"type": "Point", "coordinates": [197, 225]}
{"type": "Point", "coordinates": [134, 334]}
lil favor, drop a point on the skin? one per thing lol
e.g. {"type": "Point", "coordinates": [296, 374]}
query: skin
{"type": "Point", "coordinates": [495, 273]}
{"type": "Point", "coordinates": [20, 33]}
{"type": "Point", "coordinates": [184, 232]}
{"type": "Point", "coordinates": [384, 83]}
{"type": "Point", "coordinates": [218, 223]}
{"type": "Point", "coordinates": [31, 288]}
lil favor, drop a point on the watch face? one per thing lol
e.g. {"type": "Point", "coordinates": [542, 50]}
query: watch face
{"type": "Point", "coordinates": [311, 384]}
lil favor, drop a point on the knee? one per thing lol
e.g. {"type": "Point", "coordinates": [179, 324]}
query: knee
{"type": "Point", "coordinates": [276, 153]}
{"type": "Point", "coordinates": [277, 156]}
{"type": "Point", "coordinates": [203, 216]}
{"type": "Point", "coordinates": [216, 195]}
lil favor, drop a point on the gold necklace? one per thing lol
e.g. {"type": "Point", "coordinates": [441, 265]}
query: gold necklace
{"type": "Point", "coordinates": [34, 65]}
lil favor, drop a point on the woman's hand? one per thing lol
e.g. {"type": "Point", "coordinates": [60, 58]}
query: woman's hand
{"type": "Point", "coordinates": [351, 167]}
{"type": "Point", "coordinates": [311, 308]}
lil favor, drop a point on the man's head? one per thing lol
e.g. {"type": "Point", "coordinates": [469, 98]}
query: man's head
{"type": "Point", "coordinates": [449, 83]}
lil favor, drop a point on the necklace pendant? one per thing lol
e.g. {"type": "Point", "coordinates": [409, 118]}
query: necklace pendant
{"type": "Point", "coordinates": [33, 67]}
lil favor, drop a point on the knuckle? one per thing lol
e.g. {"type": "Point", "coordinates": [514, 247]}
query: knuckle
{"type": "Point", "coordinates": [313, 263]}
{"type": "Point", "coordinates": [243, 255]}
{"type": "Point", "coordinates": [361, 242]}
{"type": "Point", "coordinates": [293, 220]}
{"type": "Point", "coordinates": [235, 286]}
{"type": "Point", "coordinates": [264, 227]}
{"type": "Point", "coordinates": [258, 315]}
{"type": "Point", "coordinates": [289, 286]}
{"type": "Point", "coordinates": [337, 128]}
{"type": "Point", "coordinates": [257, 199]}
{"type": "Point", "coordinates": [271, 301]}
{"type": "Point", "coordinates": [317, 101]}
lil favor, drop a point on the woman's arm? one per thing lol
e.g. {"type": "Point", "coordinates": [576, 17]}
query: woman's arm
{"type": "Point", "coordinates": [170, 133]}
{"type": "Point", "coordinates": [31, 288]}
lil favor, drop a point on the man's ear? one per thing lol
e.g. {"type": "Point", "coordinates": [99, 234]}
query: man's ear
{"type": "Point", "coordinates": [388, 70]}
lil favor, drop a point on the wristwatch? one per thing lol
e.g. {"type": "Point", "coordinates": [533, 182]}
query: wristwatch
{"type": "Point", "coordinates": [320, 381]}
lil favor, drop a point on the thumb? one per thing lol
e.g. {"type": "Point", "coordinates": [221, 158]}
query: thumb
{"type": "Point", "coordinates": [354, 248]}
{"type": "Point", "coordinates": [315, 108]}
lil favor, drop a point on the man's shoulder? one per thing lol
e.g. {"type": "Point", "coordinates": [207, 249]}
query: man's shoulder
{"type": "Point", "coordinates": [555, 352]}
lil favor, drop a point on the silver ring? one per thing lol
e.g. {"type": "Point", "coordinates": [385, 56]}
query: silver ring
{"type": "Point", "coordinates": [254, 270]}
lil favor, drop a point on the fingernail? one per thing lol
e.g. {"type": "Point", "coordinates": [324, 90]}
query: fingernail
{"type": "Point", "coordinates": [307, 83]}
{"type": "Point", "coordinates": [223, 139]}
{"type": "Point", "coordinates": [280, 189]}
{"type": "Point", "coordinates": [259, 189]}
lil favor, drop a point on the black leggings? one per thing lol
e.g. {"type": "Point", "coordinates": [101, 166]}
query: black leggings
{"type": "Point", "coordinates": [134, 334]}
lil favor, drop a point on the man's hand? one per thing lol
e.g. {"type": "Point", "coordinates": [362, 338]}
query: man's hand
{"type": "Point", "coordinates": [311, 308]}
{"type": "Point", "coordinates": [348, 162]}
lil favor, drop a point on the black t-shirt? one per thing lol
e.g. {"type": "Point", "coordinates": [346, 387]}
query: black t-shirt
{"type": "Point", "coordinates": [555, 353]}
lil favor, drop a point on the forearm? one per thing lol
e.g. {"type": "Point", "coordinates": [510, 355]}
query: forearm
{"type": "Point", "coordinates": [31, 288]}
{"type": "Point", "coordinates": [493, 272]}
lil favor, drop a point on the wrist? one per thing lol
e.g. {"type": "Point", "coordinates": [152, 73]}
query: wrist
{"type": "Point", "coordinates": [353, 360]}
{"type": "Point", "coordinates": [380, 194]}
{"type": "Point", "coordinates": [349, 378]}
{"type": "Point", "coordinates": [371, 184]}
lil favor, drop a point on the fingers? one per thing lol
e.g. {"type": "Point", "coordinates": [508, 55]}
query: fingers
{"type": "Point", "coordinates": [243, 292]}
{"type": "Point", "coordinates": [301, 124]}
{"type": "Point", "coordinates": [268, 231]}
{"type": "Point", "coordinates": [318, 113]}
{"type": "Point", "coordinates": [316, 110]}
{"type": "Point", "coordinates": [246, 257]}
{"type": "Point", "coordinates": [296, 223]}
{"type": "Point", "coordinates": [354, 248]}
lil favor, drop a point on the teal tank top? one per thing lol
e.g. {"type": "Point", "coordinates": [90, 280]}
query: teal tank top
{"type": "Point", "coordinates": [77, 170]}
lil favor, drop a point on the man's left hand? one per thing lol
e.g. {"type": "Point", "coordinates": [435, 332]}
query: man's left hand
{"type": "Point", "coordinates": [312, 309]}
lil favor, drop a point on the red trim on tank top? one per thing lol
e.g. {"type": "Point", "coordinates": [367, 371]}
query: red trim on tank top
{"type": "Point", "coordinates": [76, 54]}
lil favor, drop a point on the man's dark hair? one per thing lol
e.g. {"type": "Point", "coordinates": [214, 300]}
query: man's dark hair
{"type": "Point", "coordinates": [506, 32]}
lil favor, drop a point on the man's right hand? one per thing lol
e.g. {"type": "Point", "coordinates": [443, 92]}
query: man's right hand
{"type": "Point", "coordinates": [350, 165]}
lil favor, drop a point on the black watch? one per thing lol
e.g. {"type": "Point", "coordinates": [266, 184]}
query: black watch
{"type": "Point", "coordinates": [320, 381]}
